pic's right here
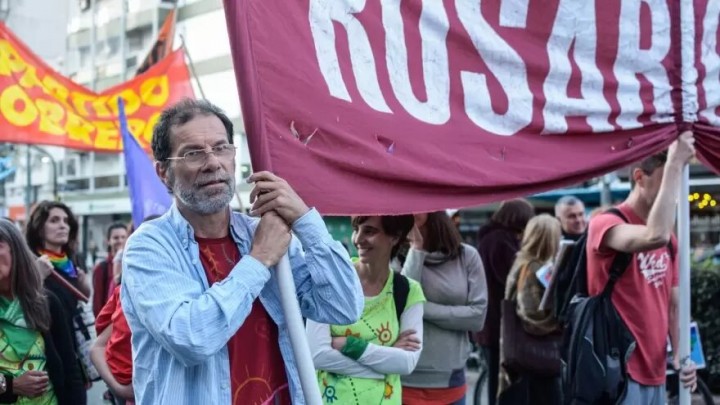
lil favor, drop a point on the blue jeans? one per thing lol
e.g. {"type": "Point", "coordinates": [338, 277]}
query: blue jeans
{"type": "Point", "coordinates": [638, 394]}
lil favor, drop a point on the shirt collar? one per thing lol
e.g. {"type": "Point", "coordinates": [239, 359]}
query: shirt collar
{"type": "Point", "coordinates": [240, 227]}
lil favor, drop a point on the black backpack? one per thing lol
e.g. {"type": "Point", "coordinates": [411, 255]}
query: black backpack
{"type": "Point", "coordinates": [401, 290]}
{"type": "Point", "coordinates": [597, 343]}
{"type": "Point", "coordinates": [571, 279]}
{"type": "Point", "coordinates": [596, 347]}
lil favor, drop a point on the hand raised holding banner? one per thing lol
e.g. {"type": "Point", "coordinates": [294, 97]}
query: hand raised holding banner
{"type": "Point", "coordinates": [683, 149]}
{"type": "Point", "coordinates": [273, 193]}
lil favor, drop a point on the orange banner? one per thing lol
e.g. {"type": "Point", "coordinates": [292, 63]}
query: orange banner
{"type": "Point", "coordinates": [40, 106]}
{"type": "Point", "coordinates": [162, 46]}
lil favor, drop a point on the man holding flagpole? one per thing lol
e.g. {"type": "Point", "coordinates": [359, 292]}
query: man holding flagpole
{"type": "Point", "coordinates": [646, 295]}
{"type": "Point", "coordinates": [199, 289]}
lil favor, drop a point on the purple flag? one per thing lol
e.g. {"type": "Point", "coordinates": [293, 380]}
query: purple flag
{"type": "Point", "coordinates": [148, 195]}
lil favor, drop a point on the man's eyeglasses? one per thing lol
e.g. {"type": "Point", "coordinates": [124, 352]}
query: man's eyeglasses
{"type": "Point", "coordinates": [198, 157]}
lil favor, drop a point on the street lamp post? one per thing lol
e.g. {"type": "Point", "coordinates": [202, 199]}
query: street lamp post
{"type": "Point", "coordinates": [28, 188]}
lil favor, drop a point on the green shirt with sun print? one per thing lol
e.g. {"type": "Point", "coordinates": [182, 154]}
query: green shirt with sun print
{"type": "Point", "coordinates": [378, 325]}
{"type": "Point", "coordinates": [21, 349]}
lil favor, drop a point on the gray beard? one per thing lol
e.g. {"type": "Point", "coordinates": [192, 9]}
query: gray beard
{"type": "Point", "coordinates": [197, 201]}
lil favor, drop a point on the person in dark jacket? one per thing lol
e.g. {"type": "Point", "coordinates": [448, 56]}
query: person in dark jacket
{"type": "Point", "coordinates": [51, 233]}
{"type": "Point", "coordinates": [498, 244]}
{"type": "Point", "coordinates": [37, 357]}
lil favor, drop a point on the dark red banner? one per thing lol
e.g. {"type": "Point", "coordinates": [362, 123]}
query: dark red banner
{"type": "Point", "coordinates": [396, 106]}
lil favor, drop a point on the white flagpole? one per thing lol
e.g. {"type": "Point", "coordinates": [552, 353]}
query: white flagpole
{"type": "Point", "coordinates": [684, 273]}
{"type": "Point", "coordinates": [689, 113]}
{"type": "Point", "coordinates": [296, 330]}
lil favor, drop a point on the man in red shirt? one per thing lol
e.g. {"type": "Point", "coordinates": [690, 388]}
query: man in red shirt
{"type": "Point", "coordinates": [646, 295]}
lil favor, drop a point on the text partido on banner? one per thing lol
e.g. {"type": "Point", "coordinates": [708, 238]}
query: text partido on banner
{"type": "Point", "coordinates": [85, 117]}
{"type": "Point", "coordinates": [38, 105]}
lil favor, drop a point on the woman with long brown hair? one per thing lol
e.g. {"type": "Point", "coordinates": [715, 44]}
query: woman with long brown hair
{"type": "Point", "coordinates": [37, 357]}
{"type": "Point", "coordinates": [453, 279]}
{"type": "Point", "coordinates": [540, 244]}
{"type": "Point", "coordinates": [52, 232]}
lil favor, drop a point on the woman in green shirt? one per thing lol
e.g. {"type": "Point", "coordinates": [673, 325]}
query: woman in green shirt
{"type": "Point", "coordinates": [37, 357]}
{"type": "Point", "coordinates": [362, 363]}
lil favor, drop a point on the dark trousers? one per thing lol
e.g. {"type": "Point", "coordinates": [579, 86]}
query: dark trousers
{"type": "Point", "coordinates": [492, 362]}
{"type": "Point", "coordinates": [530, 389]}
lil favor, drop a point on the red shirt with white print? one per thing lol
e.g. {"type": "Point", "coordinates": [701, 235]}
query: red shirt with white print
{"type": "Point", "coordinates": [641, 296]}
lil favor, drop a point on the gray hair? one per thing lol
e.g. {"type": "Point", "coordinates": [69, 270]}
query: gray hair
{"type": "Point", "coordinates": [180, 114]}
{"type": "Point", "coordinates": [568, 200]}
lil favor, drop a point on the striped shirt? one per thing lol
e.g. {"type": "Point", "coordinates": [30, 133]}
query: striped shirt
{"type": "Point", "coordinates": [181, 326]}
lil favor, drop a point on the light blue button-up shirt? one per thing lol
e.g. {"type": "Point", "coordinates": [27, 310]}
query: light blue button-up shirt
{"type": "Point", "coordinates": [181, 326]}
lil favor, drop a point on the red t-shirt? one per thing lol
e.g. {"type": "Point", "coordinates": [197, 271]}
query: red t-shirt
{"type": "Point", "coordinates": [257, 368]}
{"type": "Point", "coordinates": [641, 296]}
{"type": "Point", "coordinates": [118, 350]}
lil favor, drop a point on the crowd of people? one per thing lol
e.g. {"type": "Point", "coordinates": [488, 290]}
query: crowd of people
{"type": "Point", "coordinates": [186, 307]}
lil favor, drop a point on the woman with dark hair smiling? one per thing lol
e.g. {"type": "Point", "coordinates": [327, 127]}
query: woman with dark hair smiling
{"type": "Point", "coordinates": [362, 363]}
{"type": "Point", "coordinates": [37, 357]}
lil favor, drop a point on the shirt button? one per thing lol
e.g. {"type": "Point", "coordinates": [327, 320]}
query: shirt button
{"type": "Point", "coordinates": [224, 386]}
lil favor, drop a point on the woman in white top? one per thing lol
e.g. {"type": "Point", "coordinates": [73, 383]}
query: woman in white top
{"type": "Point", "coordinates": [362, 363]}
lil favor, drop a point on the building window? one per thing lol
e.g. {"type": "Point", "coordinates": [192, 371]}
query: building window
{"type": "Point", "coordinates": [77, 185]}
{"type": "Point", "coordinates": [84, 52]}
{"type": "Point", "coordinates": [71, 167]}
{"type": "Point", "coordinates": [137, 39]}
{"type": "Point", "coordinates": [112, 47]}
{"type": "Point", "coordinates": [107, 182]}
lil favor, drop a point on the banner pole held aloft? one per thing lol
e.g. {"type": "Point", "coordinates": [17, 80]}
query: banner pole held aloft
{"type": "Point", "coordinates": [683, 221]}
{"type": "Point", "coordinates": [296, 330]}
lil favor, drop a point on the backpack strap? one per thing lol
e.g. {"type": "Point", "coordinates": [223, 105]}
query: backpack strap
{"type": "Point", "coordinates": [401, 290]}
{"type": "Point", "coordinates": [621, 261]}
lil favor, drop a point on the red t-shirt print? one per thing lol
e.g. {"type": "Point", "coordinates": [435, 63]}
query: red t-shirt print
{"type": "Point", "coordinates": [257, 369]}
{"type": "Point", "coordinates": [641, 296]}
